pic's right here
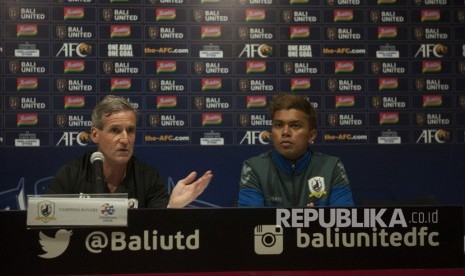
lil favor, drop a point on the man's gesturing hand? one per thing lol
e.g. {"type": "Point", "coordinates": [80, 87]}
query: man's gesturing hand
{"type": "Point", "coordinates": [187, 190]}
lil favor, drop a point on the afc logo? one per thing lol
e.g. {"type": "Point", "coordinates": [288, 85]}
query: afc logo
{"type": "Point", "coordinates": [251, 50]}
{"type": "Point", "coordinates": [256, 137]}
{"type": "Point", "coordinates": [430, 136]}
{"type": "Point", "coordinates": [74, 138]}
{"type": "Point", "coordinates": [431, 50]}
{"type": "Point", "coordinates": [71, 49]}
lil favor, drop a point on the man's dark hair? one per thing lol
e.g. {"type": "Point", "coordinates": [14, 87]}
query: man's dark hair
{"type": "Point", "coordinates": [285, 101]}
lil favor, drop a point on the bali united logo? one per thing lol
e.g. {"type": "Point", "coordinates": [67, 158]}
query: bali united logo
{"type": "Point", "coordinates": [154, 32]}
{"type": "Point", "coordinates": [108, 67]}
{"type": "Point", "coordinates": [419, 33]}
{"type": "Point", "coordinates": [317, 188]}
{"type": "Point", "coordinates": [199, 102]}
{"type": "Point", "coordinates": [154, 84]}
{"type": "Point", "coordinates": [331, 33]}
{"type": "Point", "coordinates": [199, 67]}
{"type": "Point", "coordinates": [244, 85]}
{"type": "Point", "coordinates": [199, 15]}
{"type": "Point", "coordinates": [154, 120]}
{"type": "Point", "coordinates": [14, 66]}
{"type": "Point", "coordinates": [14, 102]}
{"type": "Point", "coordinates": [46, 211]}
{"type": "Point", "coordinates": [61, 120]}
{"type": "Point", "coordinates": [13, 12]}
{"type": "Point", "coordinates": [243, 33]}
{"type": "Point", "coordinates": [244, 119]}
{"type": "Point", "coordinates": [61, 32]}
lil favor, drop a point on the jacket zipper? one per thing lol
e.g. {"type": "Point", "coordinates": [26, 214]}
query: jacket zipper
{"type": "Point", "coordinates": [294, 203]}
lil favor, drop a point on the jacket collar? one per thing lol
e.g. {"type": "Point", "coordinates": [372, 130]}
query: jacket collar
{"type": "Point", "coordinates": [286, 165]}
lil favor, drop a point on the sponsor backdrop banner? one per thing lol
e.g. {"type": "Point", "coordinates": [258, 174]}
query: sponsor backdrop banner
{"type": "Point", "coordinates": [387, 78]}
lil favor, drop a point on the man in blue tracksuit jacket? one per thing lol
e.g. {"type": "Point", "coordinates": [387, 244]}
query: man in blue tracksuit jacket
{"type": "Point", "coordinates": [292, 175]}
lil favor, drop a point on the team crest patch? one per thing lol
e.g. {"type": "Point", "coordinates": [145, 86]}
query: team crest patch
{"type": "Point", "coordinates": [316, 185]}
{"type": "Point", "coordinates": [46, 211]}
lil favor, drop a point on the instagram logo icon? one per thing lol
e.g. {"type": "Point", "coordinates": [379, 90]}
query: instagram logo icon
{"type": "Point", "coordinates": [268, 239]}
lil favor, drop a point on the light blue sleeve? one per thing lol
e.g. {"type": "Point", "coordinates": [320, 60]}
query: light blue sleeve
{"type": "Point", "coordinates": [341, 195]}
{"type": "Point", "coordinates": [250, 198]}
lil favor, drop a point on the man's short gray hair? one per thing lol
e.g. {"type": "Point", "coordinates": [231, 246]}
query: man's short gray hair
{"type": "Point", "coordinates": [109, 105]}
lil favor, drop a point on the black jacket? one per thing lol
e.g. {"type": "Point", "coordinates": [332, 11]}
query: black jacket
{"type": "Point", "coordinates": [142, 182]}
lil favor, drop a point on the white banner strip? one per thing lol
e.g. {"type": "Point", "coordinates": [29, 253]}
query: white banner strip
{"type": "Point", "coordinates": [66, 211]}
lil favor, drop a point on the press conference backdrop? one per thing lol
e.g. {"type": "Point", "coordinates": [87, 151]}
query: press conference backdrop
{"type": "Point", "coordinates": [387, 78]}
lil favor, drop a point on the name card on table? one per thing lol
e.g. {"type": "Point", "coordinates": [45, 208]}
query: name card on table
{"type": "Point", "coordinates": [78, 210]}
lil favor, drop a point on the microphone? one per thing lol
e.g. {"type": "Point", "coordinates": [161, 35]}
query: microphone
{"type": "Point", "coordinates": [97, 162]}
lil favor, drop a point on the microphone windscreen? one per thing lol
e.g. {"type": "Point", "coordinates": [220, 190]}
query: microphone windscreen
{"type": "Point", "coordinates": [96, 156]}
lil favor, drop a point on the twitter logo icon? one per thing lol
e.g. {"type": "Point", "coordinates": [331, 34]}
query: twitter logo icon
{"type": "Point", "coordinates": [54, 246]}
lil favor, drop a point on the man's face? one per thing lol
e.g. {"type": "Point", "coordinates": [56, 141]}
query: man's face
{"type": "Point", "coordinates": [291, 133]}
{"type": "Point", "coordinates": [116, 139]}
